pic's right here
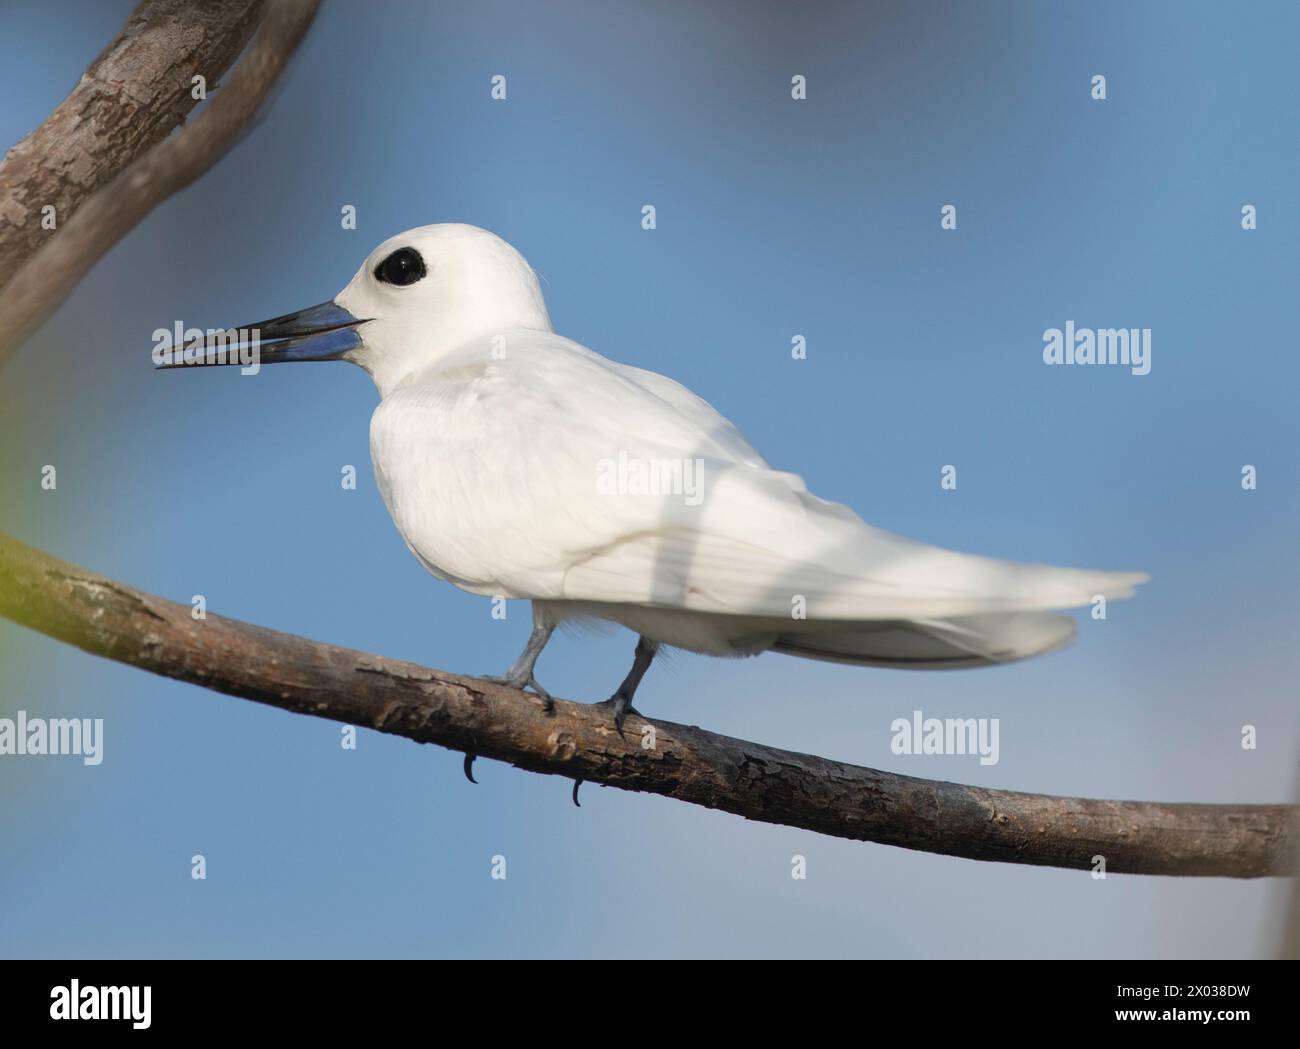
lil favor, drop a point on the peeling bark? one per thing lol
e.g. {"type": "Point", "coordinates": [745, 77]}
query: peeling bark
{"type": "Point", "coordinates": [50, 273]}
{"type": "Point", "coordinates": [132, 97]}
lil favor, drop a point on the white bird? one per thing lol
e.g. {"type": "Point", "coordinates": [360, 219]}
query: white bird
{"type": "Point", "coordinates": [517, 463]}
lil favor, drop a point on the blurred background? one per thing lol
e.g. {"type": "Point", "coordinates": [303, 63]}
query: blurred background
{"type": "Point", "coordinates": [776, 218]}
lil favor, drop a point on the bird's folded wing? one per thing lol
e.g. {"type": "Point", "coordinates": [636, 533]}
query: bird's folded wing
{"type": "Point", "coordinates": [554, 473]}
{"type": "Point", "coordinates": [763, 551]}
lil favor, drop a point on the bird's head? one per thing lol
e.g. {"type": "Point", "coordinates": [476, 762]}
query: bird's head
{"type": "Point", "coordinates": [417, 296]}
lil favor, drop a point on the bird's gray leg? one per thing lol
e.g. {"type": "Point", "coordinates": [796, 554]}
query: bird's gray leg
{"type": "Point", "coordinates": [520, 675]}
{"type": "Point", "coordinates": [621, 701]}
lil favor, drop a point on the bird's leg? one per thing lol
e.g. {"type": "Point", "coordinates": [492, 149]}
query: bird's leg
{"type": "Point", "coordinates": [621, 701]}
{"type": "Point", "coordinates": [520, 675]}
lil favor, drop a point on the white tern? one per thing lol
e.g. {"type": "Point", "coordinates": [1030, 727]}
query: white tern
{"type": "Point", "coordinates": [517, 463]}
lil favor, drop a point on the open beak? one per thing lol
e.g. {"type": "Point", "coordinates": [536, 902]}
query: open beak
{"type": "Point", "coordinates": [319, 333]}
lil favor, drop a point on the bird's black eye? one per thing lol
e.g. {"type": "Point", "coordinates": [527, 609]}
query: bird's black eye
{"type": "Point", "coordinates": [402, 267]}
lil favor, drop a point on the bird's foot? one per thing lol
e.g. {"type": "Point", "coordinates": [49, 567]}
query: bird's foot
{"type": "Point", "coordinates": [523, 681]}
{"type": "Point", "coordinates": [621, 705]}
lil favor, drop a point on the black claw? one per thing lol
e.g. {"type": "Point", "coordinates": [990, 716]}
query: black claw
{"type": "Point", "coordinates": [469, 766]}
{"type": "Point", "coordinates": [622, 708]}
{"type": "Point", "coordinates": [576, 784]}
{"type": "Point", "coordinates": [523, 684]}
{"type": "Point", "coordinates": [548, 704]}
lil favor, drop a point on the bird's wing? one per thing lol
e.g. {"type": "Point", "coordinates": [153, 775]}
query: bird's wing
{"type": "Point", "coordinates": [554, 473]}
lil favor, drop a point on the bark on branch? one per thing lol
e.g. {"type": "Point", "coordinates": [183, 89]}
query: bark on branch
{"type": "Point", "coordinates": [49, 276]}
{"type": "Point", "coordinates": [133, 96]}
{"type": "Point", "coordinates": [579, 741]}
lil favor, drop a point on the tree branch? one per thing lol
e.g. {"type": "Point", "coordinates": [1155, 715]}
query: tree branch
{"type": "Point", "coordinates": [132, 97]}
{"type": "Point", "coordinates": [42, 284]}
{"type": "Point", "coordinates": [579, 741]}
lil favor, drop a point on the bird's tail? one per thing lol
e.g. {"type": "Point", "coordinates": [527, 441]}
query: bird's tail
{"type": "Point", "coordinates": [933, 644]}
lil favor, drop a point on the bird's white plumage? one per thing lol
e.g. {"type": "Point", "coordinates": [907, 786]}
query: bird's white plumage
{"type": "Point", "coordinates": [489, 446]}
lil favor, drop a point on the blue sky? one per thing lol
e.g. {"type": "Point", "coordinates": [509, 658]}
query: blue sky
{"type": "Point", "coordinates": [775, 218]}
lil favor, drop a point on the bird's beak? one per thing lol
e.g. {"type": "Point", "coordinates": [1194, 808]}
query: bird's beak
{"type": "Point", "coordinates": [319, 333]}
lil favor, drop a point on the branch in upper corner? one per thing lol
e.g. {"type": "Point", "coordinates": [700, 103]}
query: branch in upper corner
{"type": "Point", "coordinates": [133, 96]}
{"type": "Point", "coordinates": [49, 276]}
{"type": "Point", "coordinates": [579, 741]}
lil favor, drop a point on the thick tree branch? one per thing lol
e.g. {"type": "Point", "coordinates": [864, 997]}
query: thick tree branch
{"type": "Point", "coordinates": [132, 97]}
{"type": "Point", "coordinates": [43, 282]}
{"type": "Point", "coordinates": [579, 741]}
